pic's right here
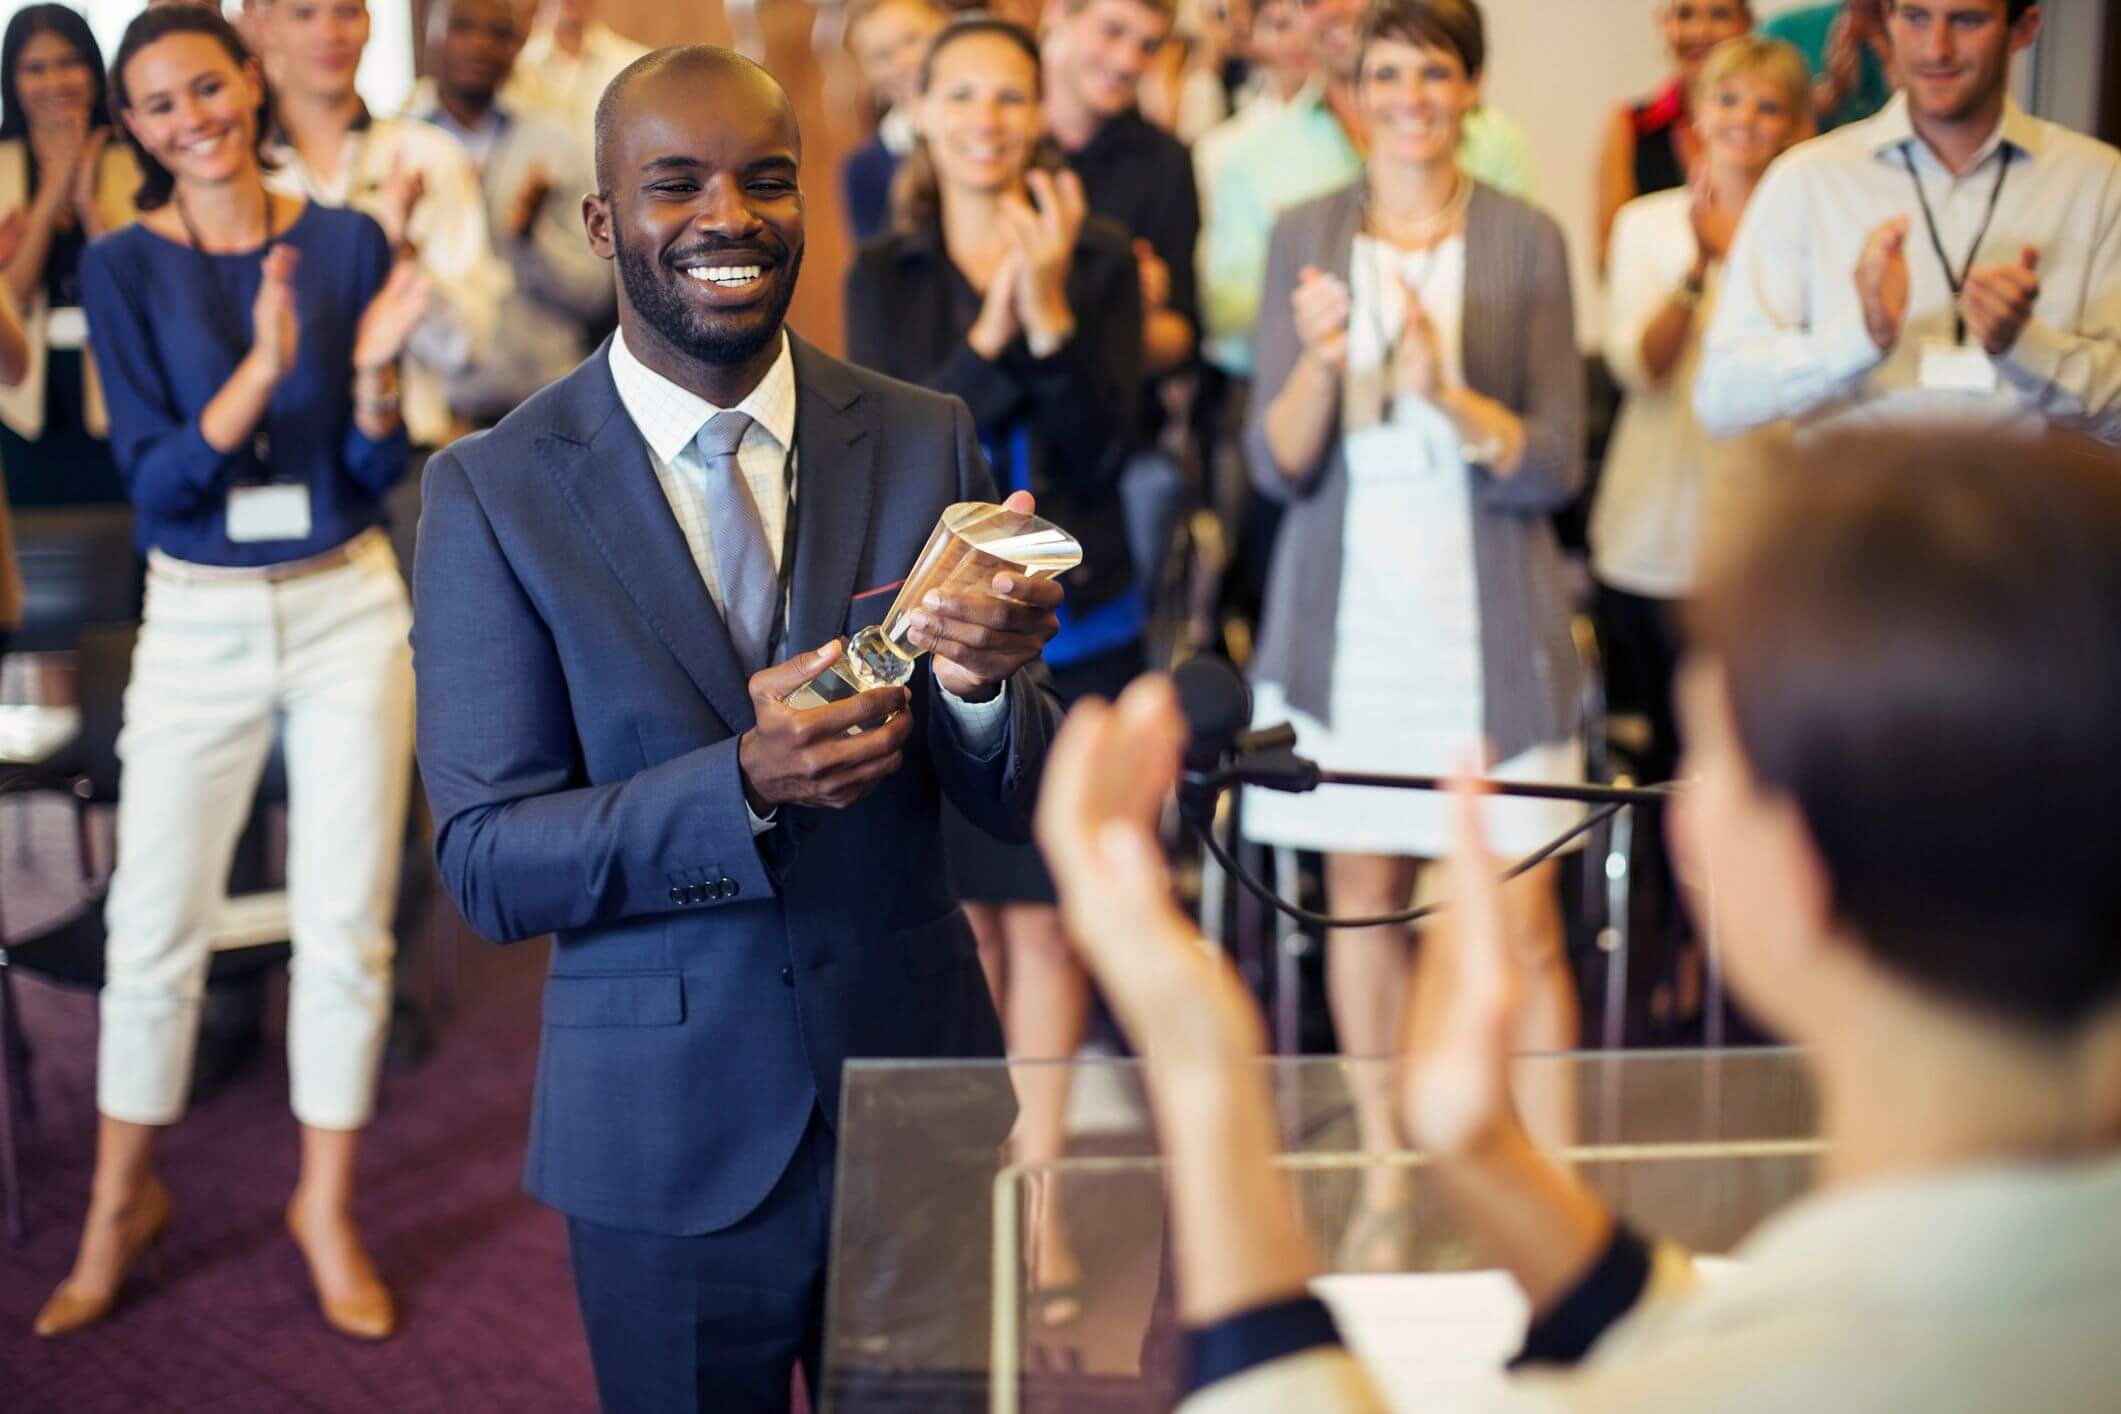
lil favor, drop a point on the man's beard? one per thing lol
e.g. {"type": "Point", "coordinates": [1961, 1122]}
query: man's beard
{"type": "Point", "coordinates": [719, 338]}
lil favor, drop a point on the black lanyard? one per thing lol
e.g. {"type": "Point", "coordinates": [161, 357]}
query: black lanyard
{"type": "Point", "coordinates": [1957, 281]}
{"type": "Point", "coordinates": [230, 324]}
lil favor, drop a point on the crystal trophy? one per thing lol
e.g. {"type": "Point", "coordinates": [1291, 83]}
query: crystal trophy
{"type": "Point", "coordinates": [972, 543]}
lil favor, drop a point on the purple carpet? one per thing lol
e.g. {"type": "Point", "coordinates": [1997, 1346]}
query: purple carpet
{"type": "Point", "coordinates": [225, 1320]}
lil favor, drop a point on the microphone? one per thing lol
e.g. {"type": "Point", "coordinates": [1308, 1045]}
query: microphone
{"type": "Point", "coordinates": [1222, 749]}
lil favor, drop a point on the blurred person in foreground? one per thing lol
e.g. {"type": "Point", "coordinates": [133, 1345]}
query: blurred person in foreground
{"type": "Point", "coordinates": [1899, 714]}
{"type": "Point", "coordinates": [1953, 259]}
{"type": "Point", "coordinates": [1419, 410]}
{"type": "Point", "coordinates": [1654, 144]}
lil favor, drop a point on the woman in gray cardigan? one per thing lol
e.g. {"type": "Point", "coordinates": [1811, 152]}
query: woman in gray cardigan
{"type": "Point", "coordinates": [1419, 405]}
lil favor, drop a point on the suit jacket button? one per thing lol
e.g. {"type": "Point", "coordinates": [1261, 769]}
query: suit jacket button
{"type": "Point", "coordinates": [714, 891]}
{"type": "Point", "coordinates": [677, 893]}
{"type": "Point", "coordinates": [787, 977]}
{"type": "Point", "coordinates": [729, 889]}
{"type": "Point", "coordinates": [698, 893]}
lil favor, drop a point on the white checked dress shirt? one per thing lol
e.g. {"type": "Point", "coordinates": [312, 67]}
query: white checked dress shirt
{"type": "Point", "coordinates": [1788, 338]}
{"type": "Point", "coordinates": [670, 418]}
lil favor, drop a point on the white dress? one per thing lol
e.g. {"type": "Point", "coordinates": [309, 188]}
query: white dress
{"type": "Point", "coordinates": [1407, 685]}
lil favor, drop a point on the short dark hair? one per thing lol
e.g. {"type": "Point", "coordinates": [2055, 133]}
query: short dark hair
{"type": "Point", "coordinates": [1921, 637]}
{"type": "Point", "coordinates": [160, 22]}
{"type": "Point", "coordinates": [29, 22]}
{"type": "Point", "coordinates": [1455, 26]}
{"type": "Point", "coordinates": [2013, 10]}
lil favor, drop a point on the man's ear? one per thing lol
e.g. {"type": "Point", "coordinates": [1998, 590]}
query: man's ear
{"type": "Point", "coordinates": [2026, 30]}
{"type": "Point", "coordinates": [596, 224]}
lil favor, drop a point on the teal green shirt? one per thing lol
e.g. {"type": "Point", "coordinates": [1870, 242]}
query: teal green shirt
{"type": "Point", "coordinates": [1301, 154]}
{"type": "Point", "coordinates": [1808, 30]}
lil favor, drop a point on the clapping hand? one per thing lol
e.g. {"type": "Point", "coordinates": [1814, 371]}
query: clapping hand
{"type": "Point", "coordinates": [11, 227]}
{"type": "Point", "coordinates": [1998, 299]}
{"type": "Point", "coordinates": [1107, 775]}
{"type": "Point", "coordinates": [997, 325]}
{"type": "Point", "coordinates": [1455, 1057]}
{"type": "Point", "coordinates": [529, 196]}
{"type": "Point", "coordinates": [393, 312]}
{"type": "Point", "coordinates": [401, 190]}
{"type": "Point", "coordinates": [1042, 241]}
{"type": "Point", "coordinates": [275, 327]}
{"type": "Point", "coordinates": [1417, 365]}
{"type": "Point", "coordinates": [979, 639]}
{"type": "Point", "coordinates": [1155, 276]}
{"type": "Point", "coordinates": [1714, 227]}
{"type": "Point", "coordinates": [1321, 306]}
{"type": "Point", "coordinates": [82, 192]}
{"type": "Point", "coordinates": [1881, 282]}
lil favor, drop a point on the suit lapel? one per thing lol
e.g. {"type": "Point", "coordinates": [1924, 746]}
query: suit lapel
{"type": "Point", "coordinates": [835, 487]}
{"type": "Point", "coordinates": [600, 462]}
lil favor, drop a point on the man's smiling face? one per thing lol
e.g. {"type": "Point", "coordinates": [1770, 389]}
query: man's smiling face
{"type": "Point", "coordinates": [701, 207]}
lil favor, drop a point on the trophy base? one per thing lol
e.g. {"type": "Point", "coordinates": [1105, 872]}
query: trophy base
{"type": "Point", "coordinates": [868, 661]}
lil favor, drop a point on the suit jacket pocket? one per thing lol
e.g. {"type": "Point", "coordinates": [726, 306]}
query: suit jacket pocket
{"type": "Point", "coordinates": [615, 999]}
{"type": "Point", "coordinates": [937, 945]}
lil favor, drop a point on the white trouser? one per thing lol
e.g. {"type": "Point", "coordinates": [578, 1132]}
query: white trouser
{"type": "Point", "coordinates": [323, 659]}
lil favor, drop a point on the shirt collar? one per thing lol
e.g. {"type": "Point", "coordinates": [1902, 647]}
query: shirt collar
{"type": "Point", "coordinates": [669, 416]}
{"type": "Point", "coordinates": [1893, 129]}
{"type": "Point", "coordinates": [426, 105]}
{"type": "Point", "coordinates": [896, 132]}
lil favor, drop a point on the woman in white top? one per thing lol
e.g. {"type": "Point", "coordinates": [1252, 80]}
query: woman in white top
{"type": "Point", "coordinates": [1665, 481]}
{"type": "Point", "coordinates": [1418, 403]}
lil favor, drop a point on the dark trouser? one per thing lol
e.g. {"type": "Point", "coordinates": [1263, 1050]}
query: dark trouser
{"type": "Point", "coordinates": [717, 1322]}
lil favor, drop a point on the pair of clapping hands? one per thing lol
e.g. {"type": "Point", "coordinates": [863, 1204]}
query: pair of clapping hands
{"type": "Point", "coordinates": [812, 756]}
{"type": "Point", "coordinates": [393, 312]}
{"type": "Point", "coordinates": [1181, 1002]}
{"type": "Point", "coordinates": [1996, 301]}
{"type": "Point", "coordinates": [1322, 305]}
{"type": "Point", "coordinates": [1028, 292]}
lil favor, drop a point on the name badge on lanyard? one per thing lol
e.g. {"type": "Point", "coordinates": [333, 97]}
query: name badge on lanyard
{"type": "Point", "coordinates": [1955, 366]}
{"type": "Point", "coordinates": [275, 511]}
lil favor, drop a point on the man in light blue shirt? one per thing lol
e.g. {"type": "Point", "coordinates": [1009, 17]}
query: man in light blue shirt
{"type": "Point", "coordinates": [1313, 148]}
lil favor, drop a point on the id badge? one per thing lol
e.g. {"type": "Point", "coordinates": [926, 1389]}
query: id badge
{"type": "Point", "coordinates": [66, 327]}
{"type": "Point", "coordinates": [268, 513]}
{"type": "Point", "coordinates": [1955, 368]}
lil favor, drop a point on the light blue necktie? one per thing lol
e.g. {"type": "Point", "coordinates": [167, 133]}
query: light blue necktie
{"type": "Point", "coordinates": [743, 562]}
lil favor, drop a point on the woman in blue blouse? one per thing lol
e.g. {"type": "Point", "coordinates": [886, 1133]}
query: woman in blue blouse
{"type": "Point", "coordinates": [248, 346]}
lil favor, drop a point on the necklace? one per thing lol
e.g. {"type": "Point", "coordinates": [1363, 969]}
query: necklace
{"type": "Point", "coordinates": [1420, 232]}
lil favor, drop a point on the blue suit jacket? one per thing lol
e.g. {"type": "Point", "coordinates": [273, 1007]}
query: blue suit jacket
{"type": "Point", "coordinates": [579, 709]}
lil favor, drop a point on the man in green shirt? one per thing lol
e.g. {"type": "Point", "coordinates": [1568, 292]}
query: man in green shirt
{"type": "Point", "coordinates": [1844, 43]}
{"type": "Point", "coordinates": [1316, 146]}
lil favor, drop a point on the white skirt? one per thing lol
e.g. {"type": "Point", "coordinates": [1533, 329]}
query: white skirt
{"type": "Point", "coordinates": [1407, 695]}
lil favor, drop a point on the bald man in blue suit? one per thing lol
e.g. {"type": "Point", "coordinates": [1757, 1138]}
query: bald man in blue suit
{"type": "Point", "coordinates": [614, 589]}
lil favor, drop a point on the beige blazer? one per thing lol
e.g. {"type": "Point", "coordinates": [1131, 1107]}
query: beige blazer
{"type": "Point", "coordinates": [22, 406]}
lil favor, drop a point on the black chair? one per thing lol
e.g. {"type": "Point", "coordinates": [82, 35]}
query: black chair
{"type": "Point", "coordinates": [78, 567]}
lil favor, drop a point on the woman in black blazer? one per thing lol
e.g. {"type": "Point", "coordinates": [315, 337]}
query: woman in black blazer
{"type": "Point", "coordinates": [995, 286]}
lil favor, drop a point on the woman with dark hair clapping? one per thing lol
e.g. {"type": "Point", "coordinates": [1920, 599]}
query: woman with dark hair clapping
{"type": "Point", "coordinates": [58, 167]}
{"type": "Point", "coordinates": [997, 287]}
{"type": "Point", "coordinates": [249, 343]}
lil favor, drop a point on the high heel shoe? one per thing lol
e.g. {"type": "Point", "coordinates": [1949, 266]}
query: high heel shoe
{"type": "Point", "coordinates": [68, 1310]}
{"type": "Point", "coordinates": [365, 1313]}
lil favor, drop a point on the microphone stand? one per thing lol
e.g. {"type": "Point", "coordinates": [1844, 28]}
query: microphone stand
{"type": "Point", "coordinates": [1267, 759]}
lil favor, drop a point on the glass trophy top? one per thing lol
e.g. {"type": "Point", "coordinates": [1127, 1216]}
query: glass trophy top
{"type": "Point", "coordinates": [972, 543]}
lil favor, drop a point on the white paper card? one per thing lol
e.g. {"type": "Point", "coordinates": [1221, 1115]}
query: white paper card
{"type": "Point", "coordinates": [268, 513]}
{"type": "Point", "coordinates": [1956, 368]}
{"type": "Point", "coordinates": [66, 327]}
